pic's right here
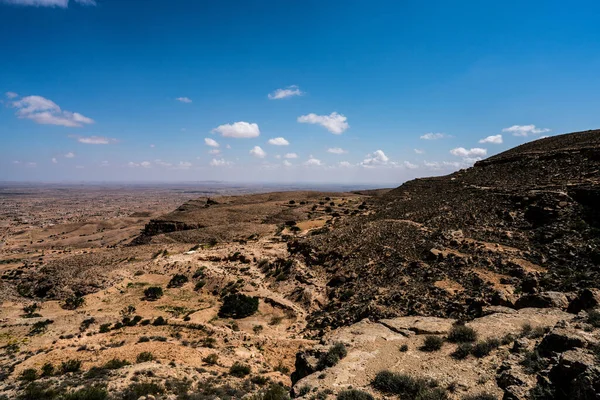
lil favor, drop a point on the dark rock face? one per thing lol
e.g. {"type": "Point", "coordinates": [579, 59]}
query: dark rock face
{"type": "Point", "coordinates": [585, 300]}
{"type": "Point", "coordinates": [560, 340]}
{"type": "Point", "coordinates": [543, 300]}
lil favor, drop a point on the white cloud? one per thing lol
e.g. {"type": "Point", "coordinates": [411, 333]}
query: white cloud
{"type": "Point", "coordinates": [219, 162]}
{"type": "Point", "coordinates": [495, 139]}
{"type": "Point", "coordinates": [184, 165]}
{"type": "Point", "coordinates": [418, 151]}
{"type": "Point", "coordinates": [143, 164]}
{"type": "Point", "coordinates": [291, 155]}
{"type": "Point", "coordinates": [238, 130]}
{"type": "Point", "coordinates": [434, 136]}
{"type": "Point", "coordinates": [377, 158]}
{"type": "Point", "coordinates": [410, 165]}
{"type": "Point", "coordinates": [70, 155]}
{"type": "Point", "coordinates": [211, 142]}
{"type": "Point", "coordinates": [44, 111]}
{"type": "Point", "coordinates": [345, 164]}
{"type": "Point", "coordinates": [336, 150]}
{"type": "Point", "coordinates": [163, 163]}
{"type": "Point", "coordinates": [94, 139]}
{"type": "Point", "coordinates": [31, 164]}
{"type": "Point", "coordinates": [11, 95]}
{"type": "Point", "coordinates": [214, 151]}
{"type": "Point", "coordinates": [313, 162]}
{"type": "Point", "coordinates": [258, 152]}
{"type": "Point", "coordinates": [54, 160]}
{"type": "Point", "coordinates": [287, 92]}
{"type": "Point", "coordinates": [462, 152]}
{"type": "Point", "coordinates": [525, 130]}
{"type": "Point", "coordinates": [49, 3]}
{"type": "Point", "coordinates": [286, 163]}
{"type": "Point", "coordinates": [278, 141]}
{"type": "Point", "coordinates": [184, 99]}
{"type": "Point", "coordinates": [334, 122]}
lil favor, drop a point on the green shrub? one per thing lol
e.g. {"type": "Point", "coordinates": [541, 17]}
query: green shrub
{"type": "Point", "coordinates": [47, 370]}
{"type": "Point", "coordinates": [37, 391]}
{"type": "Point", "coordinates": [70, 366]}
{"type": "Point", "coordinates": [115, 363]}
{"type": "Point", "coordinates": [199, 273]}
{"type": "Point", "coordinates": [404, 348]}
{"type": "Point", "coordinates": [239, 370]}
{"type": "Point", "coordinates": [354, 394]}
{"type": "Point", "coordinates": [463, 350]}
{"type": "Point", "coordinates": [432, 343]}
{"type": "Point", "coordinates": [484, 348]}
{"type": "Point", "coordinates": [257, 329]}
{"type": "Point", "coordinates": [31, 310]}
{"type": "Point", "coordinates": [480, 396]}
{"type": "Point", "coordinates": [87, 393]}
{"type": "Point", "coordinates": [73, 302]}
{"type": "Point", "coordinates": [275, 392]}
{"type": "Point", "coordinates": [28, 375]}
{"type": "Point", "coordinates": [153, 293]}
{"type": "Point", "coordinates": [211, 359]}
{"type": "Point", "coordinates": [159, 321]}
{"type": "Point", "coordinates": [199, 285]}
{"type": "Point", "coordinates": [144, 357]}
{"type": "Point", "coordinates": [86, 323]}
{"type": "Point", "coordinates": [137, 390]}
{"type": "Point", "coordinates": [127, 311]}
{"type": "Point", "coordinates": [104, 328]}
{"type": "Point", "coordinates": [178, 280]}
{"type": "Point", "coordinates": [461, 334]}
{"type": "Point", "coordinates": [332, 356]}
{"type": "Point", "coordinates": [408, 387]}
{"type": "Point", "coordinates": [40, 327]}
{"type": "Point", "coordinates": [593, 318]}
{"type": "Point", "coordinates": [533, 363]}
{"type": "Point", "coordinates": [238, 306]}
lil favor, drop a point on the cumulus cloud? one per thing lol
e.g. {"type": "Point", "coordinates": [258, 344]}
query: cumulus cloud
{"type": "Point", "coordinates": [214, 151]}
{"type": "Point", "coordinates": [94, 139]}
{"type": "Point", "coordinates": [47, 112]}
{"type": "Point", "coordinates": [48, 3]}
{"type": "Point", "coordinates": [163, 163]}
{"type": "Point", "coordinates": [378, 157]}
{"type": "Point", "coordinates": [54, 160]}
{"type": "Point", "coordinates": [258, 152]}
{"type": "Point", "coordinates": [70, 155]}
{"type": "Point", "coordinates": [462, 152]}
{"type": "Point", "coordinates": [419, 151]}
{"type": "Point", "coordinates": [410, 165]}
{"type": "Point", "coordinates": [287, 92]}
{"type": "Point", "coordinates": [278, 141]}
{"type": "Point", "coordinates": [494, 139]}
{"type": "Point", "coordinates": [525, 130]}
{"type": "Point", "coordinates": [286, 163]}
{"type": "Point", "coordinates": [434, 136]}
{"type": "Point", "coordinates": [291, 155]}
{"type": "Point", "coordinates": [184, 165]}
{"type": "Point", "coordinates": [345, 164]}
{"type": "Point", "coordinates": [313, 162]}
{"type": "Point", "coordinates": [238, 130]}
{"type": "Point", "coordinates": [219, 162]}
{"type": "Point", "coordinates": [184, 99]}
{"type": "Point", "coordinates": [11, 95]}
{"type": "Point", "coordinates": [434, 165]}
{"type": "Point", "coordinates": [211, 142]}
{"type": "Point", "coordinates": [334, 122]}
{"type": "Point", "coordinates": [336, 150]}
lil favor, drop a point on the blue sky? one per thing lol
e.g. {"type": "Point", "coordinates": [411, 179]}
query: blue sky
{"type": "Point", "coordinates": [361, 91]}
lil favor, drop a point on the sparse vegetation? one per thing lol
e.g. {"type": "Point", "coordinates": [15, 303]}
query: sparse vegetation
{"type": "Point", "coordinates": [239, 370]}
{"type": "Point", "coordinates": [533, 363]}
{"type": "Point", "coordinates": [432, 343]}
{"type": "Point", "coordinates": [484, 348]}
{"type": "Point", "coordinates": [332, 356]}
{"type": "Point", "coordinates": [178, 280]}
{"type": "Point", "coordinates": [238, 306]}
{"type": "Point", "coordinates": [211, 359]}
{"type": "Point", "coordinates": [137, 390]}
{"type": "Point", "coordinates": [463, 350]}
{"type": "Point", "coordinates": [28, 375]}
{"type": "Point", "coordinates": [70, 366]}
{"type": "Point", "coordinates": [31, 311]}
{"type": "Point", "coordinates": [480, 396]}
{"type": "Point", "coordinates": [144, 356]}
{"type": "Point", "coordinates": [153, 293]}
{"type": "Point", "coordinates": [40, 327]}
{"type": "Point", "coordinates": [461, 334]}
{"type": "Point", "coordinates": [593, 318]}
{"type": "Point", "coordinates": [104, 328]}
{"type": "Point", "coordinates": [408, 387]}
{"type": "Point", "coordinates": [354, 394]}
{"type": "Point", "coordinates": [73, 302]}
{"type": "Point", "coordinates": [404, 348]}
{"type": "Point", "coordinates": [115, 363]}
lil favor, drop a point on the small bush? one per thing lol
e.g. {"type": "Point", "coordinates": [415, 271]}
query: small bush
{"type": "Point", "coordinates": [199, 285]}
{"type": "Point", "coordinates": [463, 350]}
{"type": "Point", "coordinates": [47, 370]}
{"type": "Point", "coordinates": [480, 396]}
{"type": "Point", "coordinates": [137, 390]}
{"type": "Point", "coordinates": [36, 391]}
{"type": "Point", "coordinates": [533, 363]}
{"type": "Point", "coordinates": [87, 393]}
{"type": "Point", "coordinates": [86, 323]}
{"type": "Point", "coordinates": [593, 318]}
{"type": "Point", "coordinates": [238, 306]}
{"type": "Point", "coordinates": [354, 394]}
{"type": "Point", "coordinates": [404, 348]}
{"type": "Point", "coordinates": [127, 311]}
{"type": "Point", "coordinates": [31, 310]}
{"type": "Point", "coordinates": [432, 343]}
{"type": "Point", "coordinates": [159, 321]}
{"type": "Point", "coordinates": [332, 356]}
{"type": "Point", "coordinates": [239, 370]}
{"type": "Point", "coordinates": [484, 348]}
{"type": "Point", "coordinates": [70, 366]}
{"type": "Point", "coordinates": [104, 328]}
{"type": "Point", "coordinates": [143, 339]}
{"type": "Point", "coordinates": [211, 359]}
{"type": "Point", "coordinates": [153, 293]}
{"type": "Point", "coordinates": [257, 329]}
{"type": "Point", "coordinates": [199, 273]}
{"type": "Point", "coordinates": [178, 280]}
{"type": "Point", "coordinates": [461, 334]}
{"type": "Point", "coordinates": [407, 387]}
{"type": "Point", "coordinates": [144, 356]}
{"type": "Point", "coordinates": [40, 327]}
{"type": "Point", "coordinates": [115, 363]}
{"type": "Point", "coordinates": [28, 375]}
{"type": "Point", "coordinates": [275, 392]}
{"type": "Point", "coordinates": [73, 302]}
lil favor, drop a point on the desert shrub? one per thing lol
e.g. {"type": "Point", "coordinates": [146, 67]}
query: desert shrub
{"type": "Point", "coordinates": [143, 339]}
{"type": "Point", "coordinates": [304, 390]}
{"type": "Point", "coordinates": [115, 363]}
{"type": "Point", "coordinates": [199, 285]}
{"type": "Point", "coordinates": [86, 323]}
{"type": "Point", "coordinates": [480, 396]}
{"type": "Point", "coordinates": [461, 334]}
{"type": "Point", "coordinates": [137, 390]}
{"type": "Point", "coordinates": [463, 350]}
{"type": "Point", "coordinates": [87, 393]}
{"type": "Point", "coordinates": [404, 348]}
{"type": "Point", "coordinates": [28, 375]}
{"type": "Point", "coordinates": [354, 394]}
{"type": "Point", "coordinates": [104, 328]}
{"type": "Point", "coordinates": [73, 302]}
{"type": "Point", "coordinates": [239, 370]}
{"type": "Point", "coordinates": [47, 370]}
{"type": "Point", "coordinates": [407, 386]}
{"type": "Point", "coordinates": [127, 311]}
{"type": "Point", "coordinates": [211, 359]}
{"type": "Point", "coordinates": [37, 391]}
{"type": "Point", "coordinates": [31, 310]}
{"type": "Point", "coordinates": [178, 280]}
{"type": "Point", "coordinates": [257, 329]}
{"type": "Point", "coordinates": [199, 273]}
{"type": "Point", "coordinates": [432, 343]}
{"type": "Point", "coordinates": [153, 293]}
{"type": "Point", "coordinates": [275, 320]}
{"type": "Point", "coordinates": [275, 392]}
{"type": "Point", "coordinates": [593, 318]}
{"type": "Point", "coordinates": [281, 368]}
{"type": "Point", "coordinates": [238, 306]}
{"type": "Point", "coordinates": [159, 321]}
{"type": "Point", "coordinates": [528, 331]}
{"type": "Point", "coordinates": [40, 327]}
{"type": "Point", "coordinates": [70, 366]}
{"type": "Point", "coordinates": [332, 356]}
{"type": "Point", "coordinates": [484, 348]}
{"type": "Point", "coordinates": [533, 363]}
{"type": "Point", "coordinates": [144, 356]}
{"type": "Point", "coordinates": [259, 380]}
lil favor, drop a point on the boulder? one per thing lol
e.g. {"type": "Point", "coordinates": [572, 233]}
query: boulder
{"type": "Point", "coordinates": [560, 340]}
{"type": "Point", "coordinates": [543, 300]}
{"type": "Point", "coordinates": [585, 300]}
